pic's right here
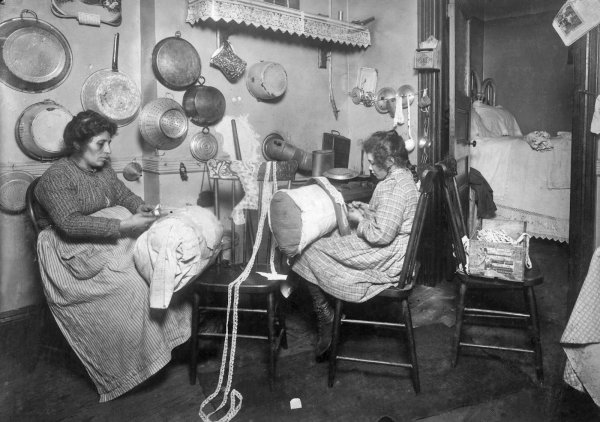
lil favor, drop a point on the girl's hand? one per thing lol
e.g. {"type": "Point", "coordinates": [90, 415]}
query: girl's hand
{"type": "Point", "coordinates": [355, 215]}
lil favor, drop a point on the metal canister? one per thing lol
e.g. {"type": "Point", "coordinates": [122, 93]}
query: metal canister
{"type": "Point", "coordinates": [322, 160]}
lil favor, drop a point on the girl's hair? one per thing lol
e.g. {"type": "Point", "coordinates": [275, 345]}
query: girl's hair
{"type": "Point", "coordinates": [84, 126]}
{"type": "Point", "coordinates": [387, 144]}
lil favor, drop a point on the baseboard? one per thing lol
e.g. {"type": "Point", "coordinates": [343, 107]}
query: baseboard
{"type": "Point", "coordinates": [14, 315]}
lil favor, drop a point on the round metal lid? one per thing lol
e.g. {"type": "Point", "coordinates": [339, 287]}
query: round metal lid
{"type": "Point", "coordinates": [340, 173]}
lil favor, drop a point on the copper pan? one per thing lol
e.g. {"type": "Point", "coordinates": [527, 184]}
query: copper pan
{"type": "Point", "coordinates": [176, 63]}
{"type": "Point", "coordinates": [35, 56]}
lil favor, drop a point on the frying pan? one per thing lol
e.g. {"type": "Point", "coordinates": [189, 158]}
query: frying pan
{"type": "Point", "coordinates": [35, 56]}
{"type": "Point", "coordinates": [111, 93]}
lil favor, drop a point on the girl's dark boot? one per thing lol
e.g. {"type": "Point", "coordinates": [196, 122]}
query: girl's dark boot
{"type": "Point", "coordinates": [325, 315]}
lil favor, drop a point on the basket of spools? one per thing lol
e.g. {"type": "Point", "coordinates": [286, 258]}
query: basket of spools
{"type": "Point", "coordinates": [163, 123]}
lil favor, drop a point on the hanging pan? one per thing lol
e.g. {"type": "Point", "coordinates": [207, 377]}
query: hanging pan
{"type": "Point", "coordinates": [36, 56]}
{"type": "Point", "coordinates": [176, 63]}
{"type": "Point", "coordinates": [39, 130]}
{"type": "Point", "coordinates": [111, 93]}
{"type": "Point", "coordinates": [204, 145]}
{"type": "Point", "coordinates": [13, 188]}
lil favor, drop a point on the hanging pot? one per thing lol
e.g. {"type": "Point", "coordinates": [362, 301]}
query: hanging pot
{"type": "Point", "coordinates": [132, 171]}
{"type": "Point", "coordinates": [111, 93]}
{"type": "Point", "coordinates": [205, 105]}
{"type": "Point", "coordinates": [39, 130]}
{"type": "Point", "coordinates": [204, 145]}
{"type": "Point", "coordinates": [266, 80]}
{"type": "Point", "coordinates": [176, 63]}
{"type": "Point", "coordinates": [163, 123]}
{"type": "Point", "coordinates": [36, 57]}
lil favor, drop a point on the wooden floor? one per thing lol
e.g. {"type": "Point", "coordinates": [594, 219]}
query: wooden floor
{"type": "Point", "coordinates": [483, 387]}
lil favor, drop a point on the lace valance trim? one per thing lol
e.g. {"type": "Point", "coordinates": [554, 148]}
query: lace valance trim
{"type": "Point", "coordinates": [278, 18]}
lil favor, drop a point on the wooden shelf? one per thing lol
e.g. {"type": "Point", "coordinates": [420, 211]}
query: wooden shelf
{"type": "Point", "coordinates": [278, 18]}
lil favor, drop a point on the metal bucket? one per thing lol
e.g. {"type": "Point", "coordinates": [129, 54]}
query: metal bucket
{"type": "Point", "coordinates": [266, 80]}
{"type": "Point", "coordinates": [322, 160]}
{"type": "Point", "coordinates": [163, 123]}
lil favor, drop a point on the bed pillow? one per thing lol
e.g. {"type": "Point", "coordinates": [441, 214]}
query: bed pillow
{"type": "Point", "coordinates": [478, 129]}
{"type": "Point", "coordinates": [499, 121]}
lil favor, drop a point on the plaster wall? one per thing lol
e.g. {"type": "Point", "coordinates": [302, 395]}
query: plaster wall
{"type": "Point", "coordinates": [302, 115]}
{"type": "Point", "coordinates": [92, 50]}
{"type": "Point", "coordinates": [528, 62]}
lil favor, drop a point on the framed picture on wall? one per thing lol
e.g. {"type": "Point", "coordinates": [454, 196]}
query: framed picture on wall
{"type": "Point", "coordinates": [576, 18]}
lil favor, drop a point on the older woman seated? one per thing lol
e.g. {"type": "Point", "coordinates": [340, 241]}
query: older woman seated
{"type": "Point", "coordinates": [93, 289]}
{"type": "Point", "coordinates": [356, 267]}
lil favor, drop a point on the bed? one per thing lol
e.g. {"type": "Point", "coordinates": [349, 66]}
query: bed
{"type": "Point", "coordinates": [529, 173]}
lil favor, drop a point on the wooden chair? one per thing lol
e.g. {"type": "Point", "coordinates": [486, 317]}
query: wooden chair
{"type": "Point", "coordinates": [34, 210]}
{"type": "Point", "coordinates": [527, 320]}
{"type": "Point", "coordinates": [400, 293]}
{"type": "Point", "coordinates": [262, 294]}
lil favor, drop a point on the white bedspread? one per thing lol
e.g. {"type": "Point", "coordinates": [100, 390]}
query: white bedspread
{"type": "Point", "coordinates": [528, 185]}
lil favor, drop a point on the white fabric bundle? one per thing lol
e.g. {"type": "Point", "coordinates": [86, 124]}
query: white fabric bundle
{"type": "Point", "coordinates": [175, 249]}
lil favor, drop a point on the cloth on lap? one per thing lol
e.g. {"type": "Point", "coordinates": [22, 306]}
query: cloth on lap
{"type": "Point", "coordinates": [176, 249]}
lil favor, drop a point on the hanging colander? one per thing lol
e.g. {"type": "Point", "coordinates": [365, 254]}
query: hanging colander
{"type": "Point", "coordinates": [13, 188]}
{"type": "Point", "coordinates": [163, 123]}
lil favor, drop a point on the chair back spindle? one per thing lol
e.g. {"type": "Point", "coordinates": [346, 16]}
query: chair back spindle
{"type": "Point", "coordinates": [410, 267]}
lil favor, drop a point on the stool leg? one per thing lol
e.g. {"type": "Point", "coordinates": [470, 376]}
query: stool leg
{"type": "Point", "coordinates": [337, 322]}
{"type": "Point", "coordinates": [414, 371]}
{"type": "Point", "coordinates": [194, 339]}
{"type": "Point", "coordinates": [535, 332]}
{"type": "Point", "coordinates": [271, 336]}
{"type": "Point", "coordinates": [282, 326]}
{"type": "Point", "coordinates": [460, 313]}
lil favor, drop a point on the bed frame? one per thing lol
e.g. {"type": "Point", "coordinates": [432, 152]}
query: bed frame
{"type": "Point", "coordinates": [482, 91]}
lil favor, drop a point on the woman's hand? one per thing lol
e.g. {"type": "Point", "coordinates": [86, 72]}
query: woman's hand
{"type": "Point", "coordinates": [146, 210]}
{"type": "Point", "coordinates": [136, 224]}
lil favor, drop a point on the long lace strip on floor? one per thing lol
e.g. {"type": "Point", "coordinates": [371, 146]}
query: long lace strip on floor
{"type": "Point", "coordinates": [233, 295]}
